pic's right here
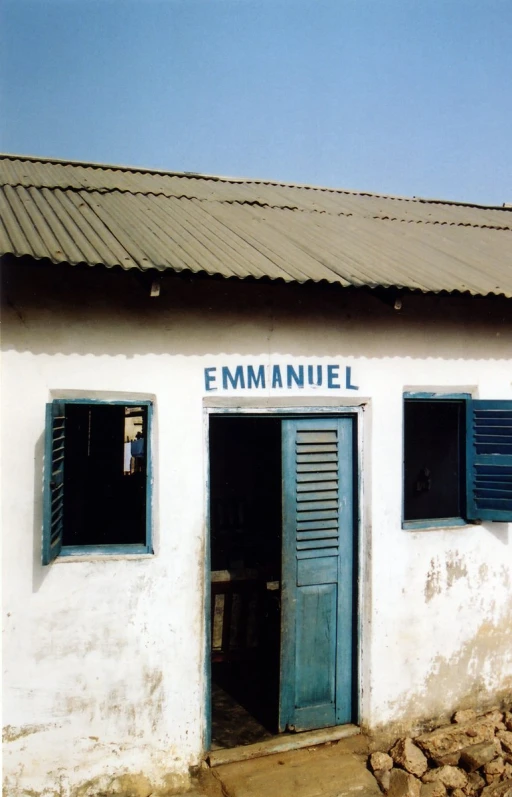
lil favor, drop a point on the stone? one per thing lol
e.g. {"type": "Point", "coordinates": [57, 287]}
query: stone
{"type": "Point", "coordinates": [503, 789]}
{"type": "Point", "coordinates": [475, 756]}
{"type": "Point", "coordinates": [474, 784]}
{"type": "Point", "coordinates": [496, 767]}
{"type": "Point", "coordinates": [403, 784]}
{"type": "Point", "coordinates": [435, 789]}
{"type": "Point", "coordinates": [494, 717]}
{"type": "Point", "coordinates": [381, 761]}
{"type": "Point", "coordinates": [452, 777]}
{"type": "Point", "coordinates": [452, 738]}
{"type": "Point", "coordinates": [407, 755]}
{"type": "Point", "coordinates": [457, 793]}
{"type": "Point", "coordinates": [450, 759]}
{"type": "Point", "coordinates": [507, 772]}
{"type": "Point", "coordinates": [505, 738]}
{"type": "Point", "coordinates": [383, 778]}
{"type": "Point", "coordinates": [467, 715]}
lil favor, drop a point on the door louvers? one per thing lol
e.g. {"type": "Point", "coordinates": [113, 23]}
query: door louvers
{"type": "Point", "coordinates": [317, 493]}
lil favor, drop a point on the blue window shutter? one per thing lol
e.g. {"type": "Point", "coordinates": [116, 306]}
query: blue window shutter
{"type": "Point", "coordinates": [489, 460]}
{"type": "Point", "coordinates": [53, 509]}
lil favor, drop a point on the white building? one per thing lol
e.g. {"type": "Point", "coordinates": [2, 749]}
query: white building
{"type": "Point", "coordinates": [317, 501]}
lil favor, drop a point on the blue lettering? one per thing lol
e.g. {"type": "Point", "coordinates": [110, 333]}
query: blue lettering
{"type": "Point", "coordinates": [292, 375]}
{"type": "Point", "coordinates": [277, 380]}
{"type": "Point", "coordinates": [318, 375]}
{"type": "Point", "coordinates": [348, 379]}
{"type": "Point", "coordinates": [210, 378]}
{"type": "Point", "coordinates": [237, 378]}
{"type": "Point", "coordinates": [332, 374]}
{"type": "Point", "coordinates": [255, 379]}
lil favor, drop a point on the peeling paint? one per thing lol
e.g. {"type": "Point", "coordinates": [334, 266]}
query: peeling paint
{"type": "Point", "coordinates": [433, 582]}
{"type": "Point", "coordinates": [10, 733]}
{"type": "Point", "coordinates": [455, 568]}
{"type": "Point", "coordinates": [474, 674]}
{"type": "Point", "coordinates": [76, 782]}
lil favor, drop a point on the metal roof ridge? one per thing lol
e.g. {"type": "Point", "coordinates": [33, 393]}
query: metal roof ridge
{"type": "Point", "coordinates": [202, 176]}
{"type": "Point", "coordinates": [244, 180]}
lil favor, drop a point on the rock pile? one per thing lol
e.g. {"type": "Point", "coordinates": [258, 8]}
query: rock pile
{"type": "Point", "coordinates": [472, 757]}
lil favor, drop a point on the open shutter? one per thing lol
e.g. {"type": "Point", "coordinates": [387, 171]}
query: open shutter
{"type": "Point", "coordinates": [489, 460]}
{"type": "Point", "coordinates": [53, 517]}
{"type": "Point", "coordinates": [317, 574]}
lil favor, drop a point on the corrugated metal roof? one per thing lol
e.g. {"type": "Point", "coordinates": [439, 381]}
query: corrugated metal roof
{"type": "Point", "coordinates": [135, 218]}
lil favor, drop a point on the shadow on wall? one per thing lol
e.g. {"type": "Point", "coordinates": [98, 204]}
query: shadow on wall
{"type": "Point", "coordinates": [93, 310]}
{"type": "Point", "coordinates": [500, 531]}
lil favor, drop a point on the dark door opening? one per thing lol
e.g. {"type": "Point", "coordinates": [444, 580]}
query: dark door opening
{"type": "Point", "coordinates": [283, 520]}
{"type": "Point", "coordinates": [245, 533]}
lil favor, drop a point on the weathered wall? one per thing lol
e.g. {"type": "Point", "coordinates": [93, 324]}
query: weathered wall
{"type": "Point", "coordinates": [104, 658]}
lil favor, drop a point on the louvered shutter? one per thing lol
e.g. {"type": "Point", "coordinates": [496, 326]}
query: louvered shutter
{"type": "Point", "coordinates": [317, 574]}
{"type": "Point", "coordinates": [53, 518]}
{"type": "Point", "coordinates": [489, 460]}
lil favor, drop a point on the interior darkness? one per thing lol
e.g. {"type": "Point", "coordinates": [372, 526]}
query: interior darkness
{"type": "Point", "coordinates": [245, 531]}
{"type": "Point", "coordinates": [433, 459]}
{"type": "Point", "coordinates": [104, 486]}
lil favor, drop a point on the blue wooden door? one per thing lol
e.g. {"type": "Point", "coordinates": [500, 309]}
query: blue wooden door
{"type": "Point", "coordinates": [316, 678]}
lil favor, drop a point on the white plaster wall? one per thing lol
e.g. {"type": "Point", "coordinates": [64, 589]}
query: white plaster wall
{"type": "Point", "coordinates": [103, 659]}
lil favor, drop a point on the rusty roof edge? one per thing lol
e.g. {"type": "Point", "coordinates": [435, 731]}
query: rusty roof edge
{"type": "Point", "coordinates": [254, 180]}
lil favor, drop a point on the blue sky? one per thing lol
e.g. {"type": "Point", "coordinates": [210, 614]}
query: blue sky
{"type": "Point", "coordinates": [410, 97]}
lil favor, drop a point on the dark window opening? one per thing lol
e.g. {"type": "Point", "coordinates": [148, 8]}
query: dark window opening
{"type": "Point", "coordinates": [434, 459]}
{"type": "Point", "coordinates": [105, 467]}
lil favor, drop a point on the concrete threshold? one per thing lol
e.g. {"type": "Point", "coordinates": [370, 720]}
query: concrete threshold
{"type": "Point", "coordinates": [281, 744]}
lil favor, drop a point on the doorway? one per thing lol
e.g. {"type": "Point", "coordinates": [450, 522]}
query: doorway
{"type": "Point", "coordinates": [282, 537]}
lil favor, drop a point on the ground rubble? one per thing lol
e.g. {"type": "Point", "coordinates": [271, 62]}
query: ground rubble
{"type": "Point", "coordinates": [471, 757]}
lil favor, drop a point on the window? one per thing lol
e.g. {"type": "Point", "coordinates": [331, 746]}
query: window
{"type": "Point", "coordinates": [457, 461]}
{"type": "Point", "coordinates": [97, 478]}
{"type": "Point", "coordinates": [434, 457]}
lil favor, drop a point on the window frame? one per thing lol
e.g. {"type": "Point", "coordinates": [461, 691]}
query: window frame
{"type": "Point", "coordinates": [116, 549]}
{"type": "Point", "coordinates": [435, 523]}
